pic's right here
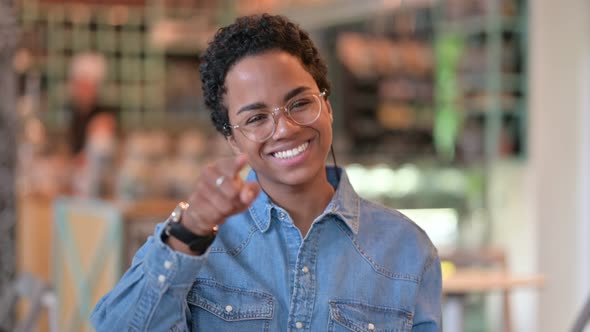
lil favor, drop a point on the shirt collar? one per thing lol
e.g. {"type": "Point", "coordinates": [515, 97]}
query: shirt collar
{"type": "Point", "coordinates": [344, 205]}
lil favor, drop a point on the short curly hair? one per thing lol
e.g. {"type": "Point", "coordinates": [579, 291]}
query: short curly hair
{"type": "Point", "coordinates": [251, 35]}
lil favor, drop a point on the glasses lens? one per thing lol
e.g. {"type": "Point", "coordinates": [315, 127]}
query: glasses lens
{"type": "Point", "coordinates": [257, 126]}
{"type": "Point", "coordinates": [304, 109]}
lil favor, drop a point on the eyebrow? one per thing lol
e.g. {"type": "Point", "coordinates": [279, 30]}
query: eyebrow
{"type": "Point", "coordinates": [261, 105]}
{"type": "Point", "coordinates": [294, 93]}
{"type": "Point", "coordinates": [251, 107]}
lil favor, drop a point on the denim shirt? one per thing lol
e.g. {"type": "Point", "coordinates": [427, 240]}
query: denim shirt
{"type": "Point", "coordinates": [361, 267]}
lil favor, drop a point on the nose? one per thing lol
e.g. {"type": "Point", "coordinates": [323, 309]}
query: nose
{"type": "Point", "coordinates": [284, 125]}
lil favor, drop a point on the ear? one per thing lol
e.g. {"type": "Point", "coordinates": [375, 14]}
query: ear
{"type": "Point", "coordinates": [329, 109]}
{"type": "Point", "coordinates": [231, 140]}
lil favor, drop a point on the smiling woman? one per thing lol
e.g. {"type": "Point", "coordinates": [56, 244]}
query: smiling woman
{"type": "Point", "coordinates": [295, 247]}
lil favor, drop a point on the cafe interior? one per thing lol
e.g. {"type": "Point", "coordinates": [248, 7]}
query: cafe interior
{"type": "Point", "coordinates": [471, 117]}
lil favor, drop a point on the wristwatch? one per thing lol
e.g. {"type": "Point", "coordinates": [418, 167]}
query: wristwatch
{"type": "Point", "coordinates": [197, 243]}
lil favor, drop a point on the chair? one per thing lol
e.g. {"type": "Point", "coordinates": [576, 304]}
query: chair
{"type": "Point", "coordinates": [489, 257]}
{"type": "Point", "coordinates": [87, 257]}
{"type": "Point", "coordinates": [39, 296]}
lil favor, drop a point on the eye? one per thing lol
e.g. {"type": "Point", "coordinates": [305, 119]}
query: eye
{"type": "Point", "coordinates": [256, 119]}
{"type": "Point", "coordinates": [301, 104]}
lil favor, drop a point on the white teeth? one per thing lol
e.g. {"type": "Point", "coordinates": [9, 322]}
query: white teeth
{"type": "Point", "coordinates": [291, 153]}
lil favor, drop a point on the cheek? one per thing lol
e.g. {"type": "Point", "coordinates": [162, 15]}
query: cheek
{"type": "Point", "coordinates": [250, 148]}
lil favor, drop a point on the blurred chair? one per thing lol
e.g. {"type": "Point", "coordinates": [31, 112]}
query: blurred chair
{"type": "Point", "coordinates": [87, 257]}
{"type": "Point", "coordinates": [140, 218]}
{"type": "Point", "coordinates": [485, 258]}
{"type": "Point", "coordinates": [34, 230]}
{"type": "Point", "coordinates": [38, 295]}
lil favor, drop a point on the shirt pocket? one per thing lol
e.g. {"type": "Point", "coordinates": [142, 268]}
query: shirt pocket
{"type": "Point", "coordinates": [216, 307]}
{"type": "Point", "coordinates": [360, 317]}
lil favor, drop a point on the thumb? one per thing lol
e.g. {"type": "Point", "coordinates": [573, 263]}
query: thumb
{"type": "Point", "coordinates": [249, 192]}
{"type": "Point", "coordinates": [238, 163]}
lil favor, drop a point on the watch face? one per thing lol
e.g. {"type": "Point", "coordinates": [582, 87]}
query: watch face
{"type": "Point", "coordinates": [196, 243]}
{"type": "Point", "coordinates": [175, 216]}
{"type": "Point", "coordinates": [178, 211]}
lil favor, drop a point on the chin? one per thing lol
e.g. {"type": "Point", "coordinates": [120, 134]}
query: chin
{"type": "Point", "coordinates": [300, 176]}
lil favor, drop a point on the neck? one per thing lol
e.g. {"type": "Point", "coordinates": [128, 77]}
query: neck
{"type": "Point", "coordinates": [304, 203]}
{"type": "Point", "coordinates": [83, 107]}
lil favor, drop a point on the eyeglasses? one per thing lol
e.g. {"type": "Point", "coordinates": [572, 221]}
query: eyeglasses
{"type": "Point", "coordinates": [260, 124]}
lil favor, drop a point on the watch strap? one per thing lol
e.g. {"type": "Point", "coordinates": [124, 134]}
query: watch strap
{"type": "Point", "coordinates": [197, 243]}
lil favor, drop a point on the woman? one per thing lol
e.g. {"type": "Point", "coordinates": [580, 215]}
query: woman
{"type": "Point", "coordinates": [296, 248]}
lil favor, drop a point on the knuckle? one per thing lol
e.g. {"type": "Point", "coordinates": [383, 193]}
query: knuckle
{"type": "Point", "coordinates": [217, 215]}
{"type": "Point", "coordinates": [209, 170]}
{"type": "Point", "coordinates": [226, 209]}
{"type": "Point", "coordinates": [209, 166]}
{"type": "Point", "coordinates": [192, 199]}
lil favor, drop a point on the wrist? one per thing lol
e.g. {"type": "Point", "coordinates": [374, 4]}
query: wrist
{"type": "Point", "coordinates": [180, 238]}
{"type": "Point", "coordinates": [179, 246]}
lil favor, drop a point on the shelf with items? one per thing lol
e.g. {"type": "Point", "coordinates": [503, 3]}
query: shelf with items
{"type": "Point", "coordinates": [116, 33]}
{"type": "Point", "coordinates": [135, 42]}
{"type": "Point", "coordinates": [384, 66]}
{"type": "Point", "coordinates": [473, 25]}
{"type": "Point", "coordinates": [489, 74]}
{"type": "Point", "coordinates": [492, 69]}
{"type": "Point", "coordinates": [452, 96]}
{"type": "Point", "coordinates": [483, 53]}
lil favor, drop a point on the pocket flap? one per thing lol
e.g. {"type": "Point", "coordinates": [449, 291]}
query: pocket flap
{"type": "Point", "coordinates": [369, 318]}
{"type": "Point", "coordinates": [231, 303]}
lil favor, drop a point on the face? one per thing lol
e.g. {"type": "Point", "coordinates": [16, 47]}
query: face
{"type": "Point", "coordinates": [269, 80]}
{"type": "Point", "coordinates": [84, 92]}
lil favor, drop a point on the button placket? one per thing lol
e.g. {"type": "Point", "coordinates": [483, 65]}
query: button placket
{"type": "Point", "coordinates": [304, 288]}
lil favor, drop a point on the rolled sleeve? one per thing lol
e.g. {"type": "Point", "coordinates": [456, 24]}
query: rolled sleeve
{"type": "Point", "coordinates": [152, 294]}
{"type": "Point", "coordinates": [168, 267]}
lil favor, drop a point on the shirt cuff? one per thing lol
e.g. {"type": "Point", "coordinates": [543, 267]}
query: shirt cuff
{"type": "Point", "coordinates": [167, 267]}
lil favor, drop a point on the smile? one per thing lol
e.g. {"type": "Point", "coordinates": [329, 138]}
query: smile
{"type": "Point", "coordinates": [291, 153]}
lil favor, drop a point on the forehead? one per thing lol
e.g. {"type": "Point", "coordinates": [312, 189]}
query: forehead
{"type": "Point", "coordinates": [265, 77]}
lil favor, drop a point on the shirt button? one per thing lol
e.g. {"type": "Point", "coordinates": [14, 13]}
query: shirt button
{"type": "Point", "coordinates": [299, 325]}
{"type": "Point", "coordinates": [305, 269]}
{"type": "Point", "coordinates": [371, 326]}
{"type": "Point", "coordinates": [282, 215]}
{"type": "Point", "coordinates": [167, 265]}
{"type": "Point", "coordinates": [229, 308]}
{"type": "Point", "coordinates": [161, 278]}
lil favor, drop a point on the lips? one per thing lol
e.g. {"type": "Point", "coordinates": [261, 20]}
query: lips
{"type": "Point", "coordinates": [286, 154]}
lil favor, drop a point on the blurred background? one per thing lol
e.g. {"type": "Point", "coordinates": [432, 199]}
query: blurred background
{"type": "Point", "coordinates": [470, 116]}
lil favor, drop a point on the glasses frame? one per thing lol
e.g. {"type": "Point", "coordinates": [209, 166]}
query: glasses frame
{"type": "Point", "coordinates": [320, 95]}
